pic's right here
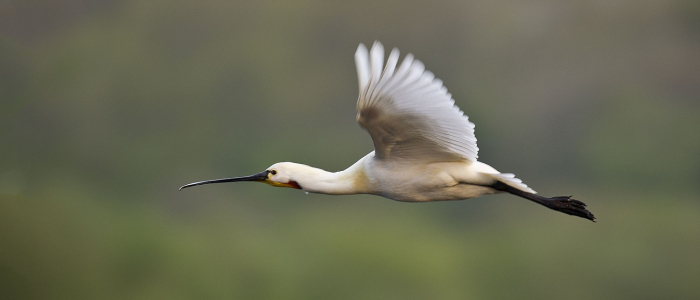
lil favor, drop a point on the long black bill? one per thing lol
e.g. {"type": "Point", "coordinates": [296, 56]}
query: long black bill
{"type": "Point", "coordinates": [262, 176]}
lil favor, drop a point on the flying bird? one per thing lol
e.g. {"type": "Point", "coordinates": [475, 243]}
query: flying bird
{"type": "Point", "coordinates": [424, 145]}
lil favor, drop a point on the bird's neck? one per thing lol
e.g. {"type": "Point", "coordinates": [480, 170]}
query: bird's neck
{"type": "Point", "coordinates": [349, 181]}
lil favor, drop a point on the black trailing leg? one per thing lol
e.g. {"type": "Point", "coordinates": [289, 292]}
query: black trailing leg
{"type": "Point", "coordinates": [561, 203]}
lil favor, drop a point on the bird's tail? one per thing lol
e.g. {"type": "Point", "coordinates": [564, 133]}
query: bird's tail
{"type": "Point", "coordinates": [510, 180]}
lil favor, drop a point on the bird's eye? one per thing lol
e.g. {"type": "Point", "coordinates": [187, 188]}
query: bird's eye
{"type": "Point", "coordinates": [273, 172]}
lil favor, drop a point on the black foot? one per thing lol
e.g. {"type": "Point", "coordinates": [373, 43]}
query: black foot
{"type": "Point", "coordinates": [568, 206]}
{"type": "Point", "coordinates": [562, 203]}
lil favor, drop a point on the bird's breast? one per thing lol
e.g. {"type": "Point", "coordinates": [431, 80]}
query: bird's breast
{"type": "Point", "coordinates": [422, 183]}
{"type": "Point", "coordinates": [424, 194]}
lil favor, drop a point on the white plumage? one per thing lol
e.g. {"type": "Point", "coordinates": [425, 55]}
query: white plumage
{"type": "Point", "coordinates": [424, 145]}
{"type": "Point", "coordinates": [411, 116]}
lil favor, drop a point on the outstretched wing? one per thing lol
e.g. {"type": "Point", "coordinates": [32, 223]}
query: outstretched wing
{"type": "Point", "coordinates": [408, 112]}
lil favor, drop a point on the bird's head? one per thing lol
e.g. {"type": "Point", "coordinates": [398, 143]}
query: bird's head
{"type": "Point", "coordinates": [280, 174]}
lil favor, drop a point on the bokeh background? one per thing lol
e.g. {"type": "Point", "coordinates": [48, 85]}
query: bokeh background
{"type": "Point", "coordinates": [107, 107]}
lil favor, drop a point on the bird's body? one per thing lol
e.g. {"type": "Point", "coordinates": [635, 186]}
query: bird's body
{"type": "Point", "coordinates": [425, 148]}
{"type": "Point", "coordinates": [402, 181]}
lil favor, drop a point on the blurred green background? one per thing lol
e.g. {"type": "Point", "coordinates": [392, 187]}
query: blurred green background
{"type": "Point", "coordinates": [107, 107]}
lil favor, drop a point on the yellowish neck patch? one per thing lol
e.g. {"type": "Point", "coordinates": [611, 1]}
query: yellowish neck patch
{"type": "Point", "coordinates": [291, 184]}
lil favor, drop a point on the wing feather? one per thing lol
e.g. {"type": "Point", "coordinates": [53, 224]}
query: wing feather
{"type": "Point", "coordinates": [362, 63]}
{"type": "Point", "coordinates": [408, 112]}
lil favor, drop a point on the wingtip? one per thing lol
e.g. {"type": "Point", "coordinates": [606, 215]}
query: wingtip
{"type": "Point", "coordinates": [377, 49]}
{"type": "Point", "coordinates": [361, 48]}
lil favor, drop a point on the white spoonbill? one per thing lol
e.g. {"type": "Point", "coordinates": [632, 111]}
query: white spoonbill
{"type": "Point", "coordinates": [424, 145]}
